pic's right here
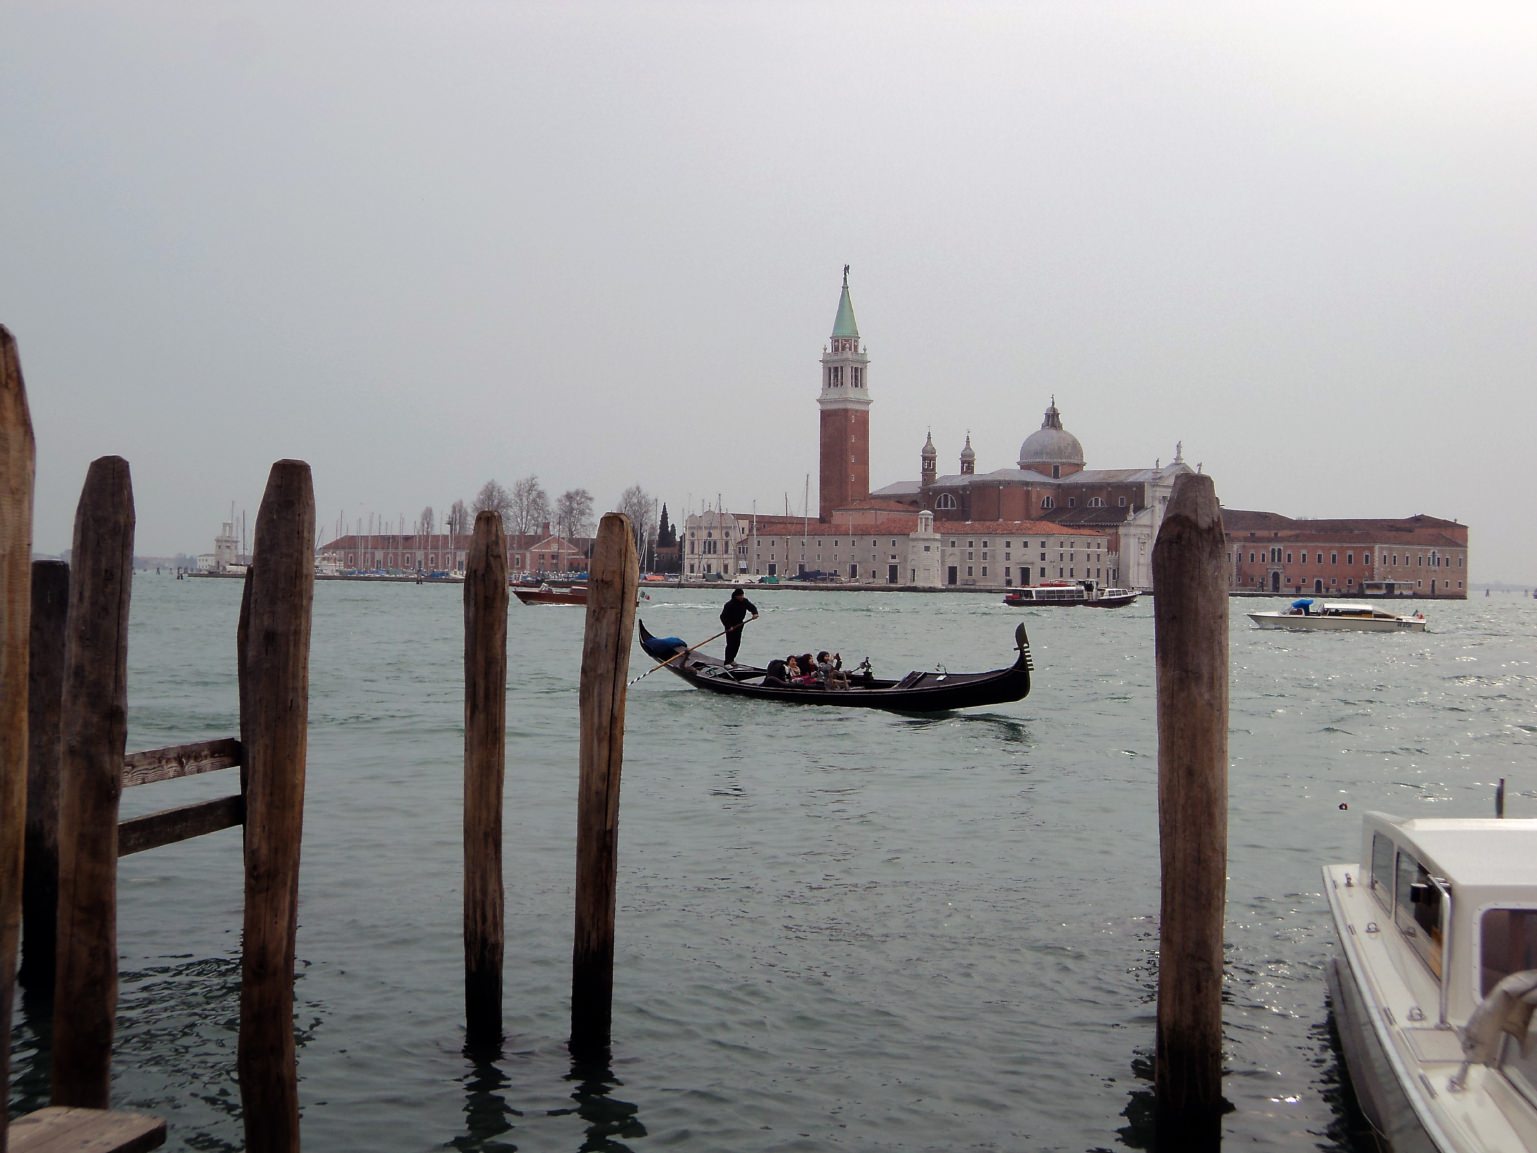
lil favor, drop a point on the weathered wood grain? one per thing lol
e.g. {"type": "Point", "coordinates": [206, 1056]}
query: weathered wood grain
{"type": "Point", "coordinates": [174, 761]}
{"type": "Point", "coordinates": [485, 741]}
{"type": "Point", "coordinates": [166, 827]}
{"type": "Point", "coordinates": [57, 1129]}
{"type": "Point", "coordinates": [273, 656]}
{"type": "Point", "coordinates": [94, 716]}
{"type": "Point", "coordinates": [611, 591]}
{"type": "Point", "coordinates": [1190, 612]}
{"type": "Point", "coordinates": [17, 465]}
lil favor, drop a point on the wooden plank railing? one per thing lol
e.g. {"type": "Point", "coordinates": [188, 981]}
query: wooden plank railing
{"type": "Point", "coordinates": [180, 761]}
{"type": "Point", "coordinates": [166, 827]}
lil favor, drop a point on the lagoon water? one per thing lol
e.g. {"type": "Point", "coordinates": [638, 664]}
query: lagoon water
{"type": "Point", "coordinates": [836, 930]}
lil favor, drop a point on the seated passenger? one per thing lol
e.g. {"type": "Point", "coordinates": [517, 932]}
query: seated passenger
{"type": "Point", "coordinates": [777, 673]}
{"type": "Point", "coordinates": [830, 670]}
{"type": "Point", "coordinates": [803, 670]}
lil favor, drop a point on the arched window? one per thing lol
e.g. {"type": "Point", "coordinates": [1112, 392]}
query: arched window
{"type": "Point", "coordinates": [1047, 502]}
{"type": "Point", "coordinates": [946, 500]}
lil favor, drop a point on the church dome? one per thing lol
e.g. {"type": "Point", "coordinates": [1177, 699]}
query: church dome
{"type": "Point", "coordinates": [968, 453]}
{"type": "Point", "coordinates": [1051, 444]}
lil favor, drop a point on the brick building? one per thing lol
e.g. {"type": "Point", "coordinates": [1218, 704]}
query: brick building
{"type": "Point", "coordinates": [1421, 556]}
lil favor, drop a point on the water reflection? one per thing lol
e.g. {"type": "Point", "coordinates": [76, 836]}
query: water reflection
{"type": "Point", "coordinates": [1137, 1133]}
{"type": "Point", "coordinates": [1007, 728]}
{"type": "Point", "coordinates": [487, 1113]}
{"type": "Point", "coordinates": [490, 1117]}
{"type": "Point", "coordinates": [31, 1052]}
{"type": "Point", "coordinates": [607, 1117]}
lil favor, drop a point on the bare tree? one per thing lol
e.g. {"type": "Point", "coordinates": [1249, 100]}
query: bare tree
{"type": "Point", "coordinates": [529, 507]}
{"type": "Point", "coordinates": [639, 507]}
{"type": "Point", "coordinates": [458, 518]}
{"type": "Point", "coordinates": [427, 522]}
{"type": "Point", "coordinates": [573, 513]}
{"type": "Point", "coordinates": [497, 499]}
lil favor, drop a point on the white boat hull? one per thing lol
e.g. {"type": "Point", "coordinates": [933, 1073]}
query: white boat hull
{"type": "Point", "coordinates": [1402, 1022]}
{"type": "Point", "coordinates": [1340, 624]}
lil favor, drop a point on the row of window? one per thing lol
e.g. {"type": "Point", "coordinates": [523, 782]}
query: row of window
{"type": "Point", "coordinates": [948, 500]}
{"type": "Point", "coordinates": [1436, 559]}
{"type": "Point", "coordinates": [1089, 545]}
{"type": "Point", "coordinates": [1069, 573]}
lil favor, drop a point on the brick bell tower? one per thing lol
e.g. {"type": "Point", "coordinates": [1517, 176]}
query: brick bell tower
{"type": "Point", "coordinates": [845, 405]}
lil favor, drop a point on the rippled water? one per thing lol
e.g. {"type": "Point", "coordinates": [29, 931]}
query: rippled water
{"type": "Point", "coordinates": [836, 930]}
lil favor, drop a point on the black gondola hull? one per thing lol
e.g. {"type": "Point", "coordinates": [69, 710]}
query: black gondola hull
{"type": "Point", "coordinates": [918, 692]}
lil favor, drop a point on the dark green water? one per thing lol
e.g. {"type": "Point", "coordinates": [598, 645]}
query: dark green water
{"type": "Point", "coordinates": [836, 930]}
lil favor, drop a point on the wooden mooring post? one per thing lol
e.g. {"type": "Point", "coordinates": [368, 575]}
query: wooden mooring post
{"type": "Point", "coordinates": [273, 642]}
{"type": "Point", "coordinates": [45, 698]}
{"type": "Point", "coordinates": [94, 719]}
{"type": "Point", "coordinates": [1190, 613]}
{"type": "Point", "coordinates": [17, 471]}
{"type": "Point", "coordinates": [485, 748]}
{"type": "Point", "coordinates": [611, 591]}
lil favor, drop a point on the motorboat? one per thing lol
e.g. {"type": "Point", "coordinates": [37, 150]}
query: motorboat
{"type": "Point", "coordinates": [548, 595]}
{"type": "Point", "coordinates": [1436, 980]}
{"type": "Point", "coordinates": [561, 595]}
{"type": "Point", "coordinates": [1306, 613]}
{"type": "Point", "coordinates": [1065, 592]}
{"type": "Point", "coordinates": [917, 692]}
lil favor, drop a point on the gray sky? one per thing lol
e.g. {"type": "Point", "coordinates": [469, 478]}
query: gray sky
{"type": "Point", "coordinates": [424, 245]}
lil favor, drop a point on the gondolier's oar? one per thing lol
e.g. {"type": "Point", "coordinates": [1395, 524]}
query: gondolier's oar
{"type": "Point", "coordinates": [683, 653]}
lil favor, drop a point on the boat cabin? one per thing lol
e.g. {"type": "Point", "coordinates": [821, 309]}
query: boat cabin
{"type": "Point", "coordinates": [1462, 895]}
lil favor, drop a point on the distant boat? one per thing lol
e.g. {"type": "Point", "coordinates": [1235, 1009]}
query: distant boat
{"type": "Point", "coordinates": [546, 595]}
{"type": "Point", "coordinates": [1084, 592]}
{"type": "Point", "coordinates": [569, 595]}
{"type": "Point", "coordinates": [1307, 614]}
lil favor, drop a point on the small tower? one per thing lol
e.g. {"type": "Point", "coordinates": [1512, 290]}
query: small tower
{"type": "Point", "coordinates": [968, 458]}
{"type": "Point", "coordinates": [930, 461]}
{"type": "Point", "coordinates": [845, 403]}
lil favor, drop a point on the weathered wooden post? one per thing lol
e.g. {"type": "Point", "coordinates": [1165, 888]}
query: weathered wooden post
{"type": "Point", "coordinates": [45, 695]}
{"type": "Point", "coordinates": [1190, 613]}
{"type": "Point", "coordinates": [94, 721]}
{"type": "Point", "coordinates": [17, 464]}
{"type": "Point", "coordinates": [611, 592]}
{"type": "Point", "coordinates": [274, 647]}
{"type": "Point", "coordinates": [485, 748]}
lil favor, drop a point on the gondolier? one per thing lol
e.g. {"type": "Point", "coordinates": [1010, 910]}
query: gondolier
{"type": "Point", "coordinates": [732, 616]}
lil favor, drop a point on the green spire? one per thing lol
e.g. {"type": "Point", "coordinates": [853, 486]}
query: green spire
{"type": "Point", "coordinates": [844, 325]}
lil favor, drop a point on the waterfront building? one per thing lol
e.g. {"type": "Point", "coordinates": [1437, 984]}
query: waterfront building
{"type": "Point", "coordinates": [405, 553]}
{"type": "Point", "coordinates": [1419, 556]}
{"type": "Point", "coordinates": [894, 548]}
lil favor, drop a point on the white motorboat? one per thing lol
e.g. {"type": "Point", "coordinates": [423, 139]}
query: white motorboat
{"type": "Point", "coordinates": [1436, 982]}
{"type": "Point", "coordinates": [1306, 613]}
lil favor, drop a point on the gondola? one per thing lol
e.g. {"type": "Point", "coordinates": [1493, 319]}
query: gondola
{"type": "Point", "coordinates": [917, 692]}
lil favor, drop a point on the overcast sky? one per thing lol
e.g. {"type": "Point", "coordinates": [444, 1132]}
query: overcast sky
{"type": "Point", "coordinates": [425, 245]}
